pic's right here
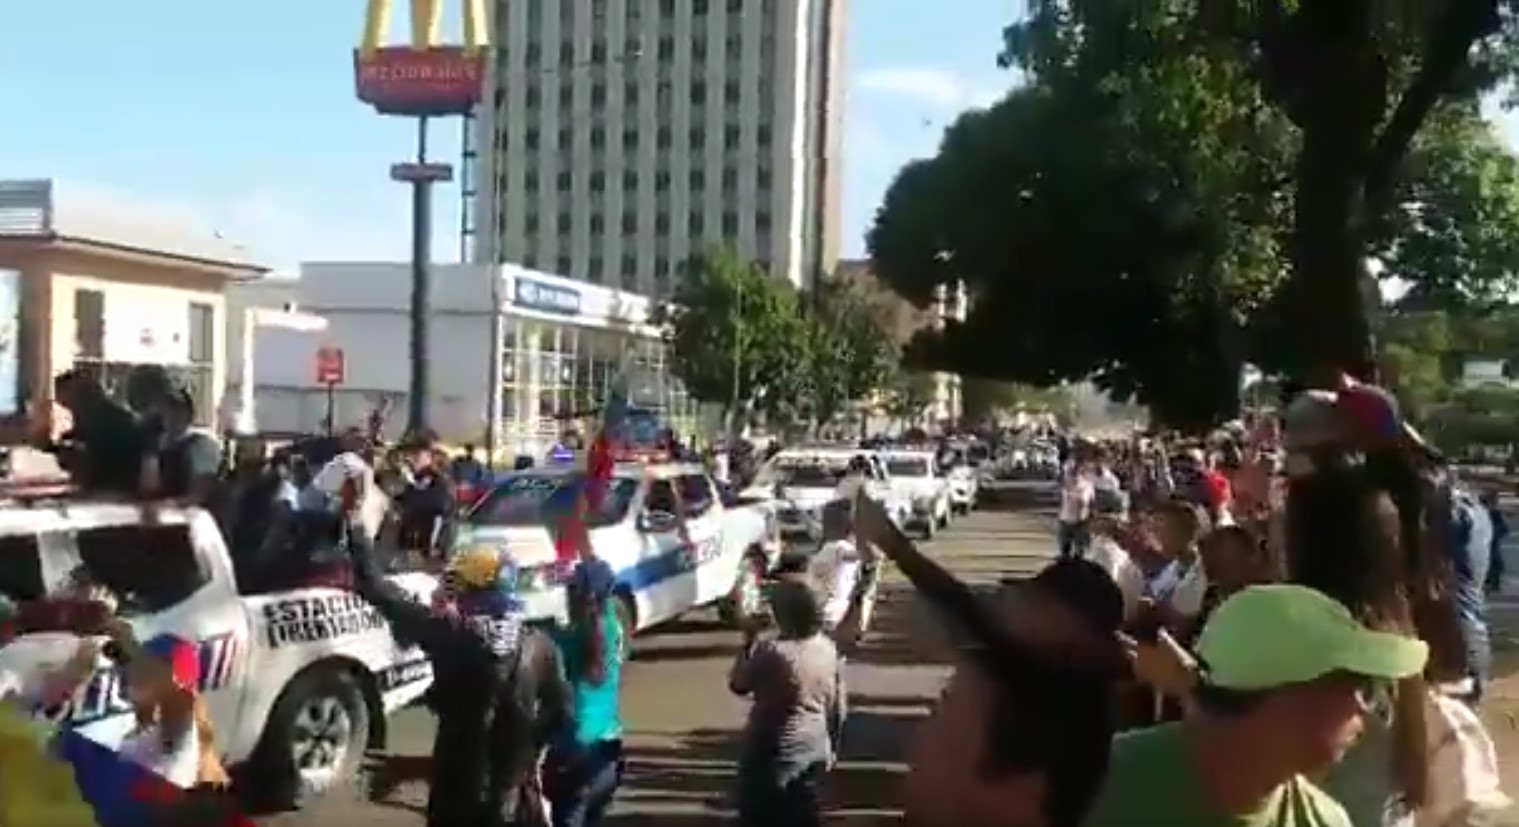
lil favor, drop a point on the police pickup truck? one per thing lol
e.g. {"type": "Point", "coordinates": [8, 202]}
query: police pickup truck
{"type": "Point", "coordinates": [298, 682]}
{"type": "Point", "coordinates": [663, 527]}
{"type": "Point", "coordinates": [805, 478]}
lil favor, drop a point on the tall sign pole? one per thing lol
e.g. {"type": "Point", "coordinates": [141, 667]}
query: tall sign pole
{"type": "Point", "coordinates": [423, 80]}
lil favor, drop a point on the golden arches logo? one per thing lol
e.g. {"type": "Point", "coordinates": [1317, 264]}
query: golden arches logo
{"type": "Point", "coordinates": [426, 26]}
{"type": "Point", "coordinates": [427, 78]}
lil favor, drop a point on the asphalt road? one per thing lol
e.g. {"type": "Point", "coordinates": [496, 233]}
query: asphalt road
{"type": "Point", "coordinates": [683, 723]}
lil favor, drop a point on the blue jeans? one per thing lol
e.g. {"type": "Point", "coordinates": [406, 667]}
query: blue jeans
{"type": "Point", "coordinates": [1470, 547]}
{"type": "Point", "coordinates": [763, 802]}
{"type": "Point", "coordinates": [580, 783]}
{"type": "Point", "coordinates": [1072, 539]}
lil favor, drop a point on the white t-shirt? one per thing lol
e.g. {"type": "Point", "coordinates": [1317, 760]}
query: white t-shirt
{"type": "Point", "coordinates": [1076, 497]}
{"type": "Point", "coordinates": [1181, 587]}
{"type": "Point", "coordinates": [1107, 553]}
{"type": "Point", "coordinates": [836, 567]}
{"type": "Point", "coordinates": [179, 763]}
{"type": "Point", "coordinates": [327, 486]}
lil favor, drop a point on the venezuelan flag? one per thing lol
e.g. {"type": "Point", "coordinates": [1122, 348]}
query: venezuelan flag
{"type": "Point", "coordinates": [57, 777]}
{"type": "Point", "coordinates": [601, 458]}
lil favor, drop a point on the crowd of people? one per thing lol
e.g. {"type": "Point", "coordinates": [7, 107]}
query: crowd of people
{"type": "Point", "coordinates": [1267, 627]}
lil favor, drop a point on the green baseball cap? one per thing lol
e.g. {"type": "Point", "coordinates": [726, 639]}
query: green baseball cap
{"type": "Point", "coordinates": [1283, 634]}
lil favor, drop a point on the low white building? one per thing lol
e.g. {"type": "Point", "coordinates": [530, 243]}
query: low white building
{"type": "Point", "coordinates": [562, 344]}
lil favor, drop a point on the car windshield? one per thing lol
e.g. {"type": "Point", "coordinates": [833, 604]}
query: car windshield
{"type": "Point", "coordinates": [817, 472]}
{"type": "Point", "coordinates": [979, 454]}
{"type": "Point", "coordinates": [522, 500]}
{"type": "Point", "coordinates": [907, 466]}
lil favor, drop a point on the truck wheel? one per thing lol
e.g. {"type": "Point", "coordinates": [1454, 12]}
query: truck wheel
{"type": "Point", "coordinates": [315, 739]}
{"type": "Point", "coordinates": [743, 600]}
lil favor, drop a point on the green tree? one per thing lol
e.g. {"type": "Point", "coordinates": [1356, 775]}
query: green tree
{"type": "Point", "coordinates": [736, 336]}
{"type": "Point", "coordinates": [908, 395]}
{"type": "Point", "coordinates": [1355, 79]}
{"type": "Point", "coordinates": [851, 353]}
{"type": "Point", "coordinates": [1174, 192]}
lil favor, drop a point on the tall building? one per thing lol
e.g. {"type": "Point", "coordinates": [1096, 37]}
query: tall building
{"type": "Point", "coordinates": [619, 137]}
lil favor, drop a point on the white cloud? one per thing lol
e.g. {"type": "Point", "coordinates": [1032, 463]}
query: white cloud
{"type": "Point", "coordinates": [280, 227]}
{"type": "Point", "coordinates": [936, 87]}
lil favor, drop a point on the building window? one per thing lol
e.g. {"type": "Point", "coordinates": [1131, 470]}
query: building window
{"type": "Point", "coordinates": [530, 138]}
{"type": "Point", "coordinates": [661, 181]}
{"type": "Point", "coordinates": [594, 272]}
{"type": "Point", "coordinates": [630, 95]}
{"type": "Point", "coordinates": [662, 224]}
{"type": "Point", "coordinates": [730, 136]}
{"type": "Point", "coordinates": [730, 224]}
{"type": "Point", "coordinates": [629, 222]}
{"type": "Point", "coordinates": [89, 324]}
{"type": "Point", "coordinates": [666, 48]}
{"type": "Point", "coordinates": [563, 223]}
{"type": "Point", "coordinates": [698, 137]}
{"type": "Point", "coordinates": [563, 181]}
{"type": "Point", "coordinates": [562, 266]}
{"type": "Point", "coordinates": [662, 138]}
{"type": "Point", "coordinates": [532, 98]}
{"type": "Point", "coordinates": [598, 181]}
{"type": "Point", "coordinates": [696, 223]}
{"type": "Point", "coordinates": [629, 179]}
{"type": "Point", "coordinates": [599, 224]}
{"type": "Point", "coordinates": [698, 6]}
{"type": "Point", "coordinates": [698, 179]}
{"type": "Point", "coordinates": [199, 375]}
{"type": "Point", "coordinates": [730, 179]}
{"type": "Point", "coordinates": [530, 181]}
{"type": "Point", "coordinates": [735, 6]}
{"type": "Point", "coordinates": [629, 139]}
{"type": "Point", "coordinates": [598, 138]}
{"type": "Point", "coordinates": [762, 222]}
{"type": "Point", "coordinates": [699, 92]}
{"type": "Point", "coordinates": [731, 92]}
{"type": "Point", "coordinates": [566, 138]}
{"type": "Point", "coordinates": [762, 135]}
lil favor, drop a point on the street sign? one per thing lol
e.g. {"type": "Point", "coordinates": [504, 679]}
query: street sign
{"type": "Point", "coordinates": [413, 172]}
{"type": "Point", "coordinates": [330, 366]}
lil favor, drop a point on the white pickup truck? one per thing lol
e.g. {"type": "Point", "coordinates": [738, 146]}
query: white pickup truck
{"type": "Point", "coordinates": [299, 682]}
{"type": "Point", "coordinates": [804, 479]}
{"type": "Point", "coordinates": [915, 475]}
{"type": "Point", "coordinates": [663, 528]}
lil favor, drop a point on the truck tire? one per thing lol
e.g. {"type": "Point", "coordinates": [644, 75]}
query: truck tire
{"type": "Point", "coordinates": [314, 741]}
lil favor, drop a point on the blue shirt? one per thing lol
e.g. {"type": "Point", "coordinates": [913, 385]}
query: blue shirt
{"type": "Point", "coordinates": [598, 713]}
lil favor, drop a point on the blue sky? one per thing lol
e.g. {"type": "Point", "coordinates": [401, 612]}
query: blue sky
{"type": "Point", "coordinates": [240, 117]}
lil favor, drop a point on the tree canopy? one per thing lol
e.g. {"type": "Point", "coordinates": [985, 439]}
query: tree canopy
{"type": "Point", "coordinates": [1181, 187]}
{"type": "Point", "coordinates": [739, 336]}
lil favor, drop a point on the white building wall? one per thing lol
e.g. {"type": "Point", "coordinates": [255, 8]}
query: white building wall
{"type": "Point", "coordinates": [366, 305]}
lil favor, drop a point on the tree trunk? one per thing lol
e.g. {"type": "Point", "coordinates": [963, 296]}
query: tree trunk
{"type": "Point", "coordinates": [1342, 101]}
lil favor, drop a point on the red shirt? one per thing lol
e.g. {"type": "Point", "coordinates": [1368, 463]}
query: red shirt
{"type": "Point", "coordinates": [1217, 485]}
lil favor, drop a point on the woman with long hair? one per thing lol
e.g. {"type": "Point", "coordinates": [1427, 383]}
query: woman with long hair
{"type": "Point", "coordinates": [585, 763]}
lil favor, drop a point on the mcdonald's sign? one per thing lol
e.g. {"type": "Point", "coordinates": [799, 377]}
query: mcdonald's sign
{"type": "Point", "coordinates": [425, 78]}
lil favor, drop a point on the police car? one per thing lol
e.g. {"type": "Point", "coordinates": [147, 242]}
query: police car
{"type": "Point", "coordinates": [805, 478]}
{"type": "Point", "coordinates": [663, 527]}
{"type": "Point", "coordinates": [299, 683]}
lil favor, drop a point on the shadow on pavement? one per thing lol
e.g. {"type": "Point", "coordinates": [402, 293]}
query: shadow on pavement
{"type": "Point", "coordinates": [386, 775]}
{"type": "Point", "coordinates": [664, 654]}
{"type": "Point", "coordinates": [691, 780]}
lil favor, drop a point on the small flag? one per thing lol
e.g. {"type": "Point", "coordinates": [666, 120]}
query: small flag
{"type": "Point", "coordinates": [600, 460]}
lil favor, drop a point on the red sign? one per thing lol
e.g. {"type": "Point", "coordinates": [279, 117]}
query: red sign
{"type": "Point", "coordinates": [329, 366]}
{"type": "Point", "coordinates": [400, 80]}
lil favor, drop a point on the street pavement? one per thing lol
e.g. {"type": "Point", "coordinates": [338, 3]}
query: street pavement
{"type": "Point", "coordinates": [683, 724]}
